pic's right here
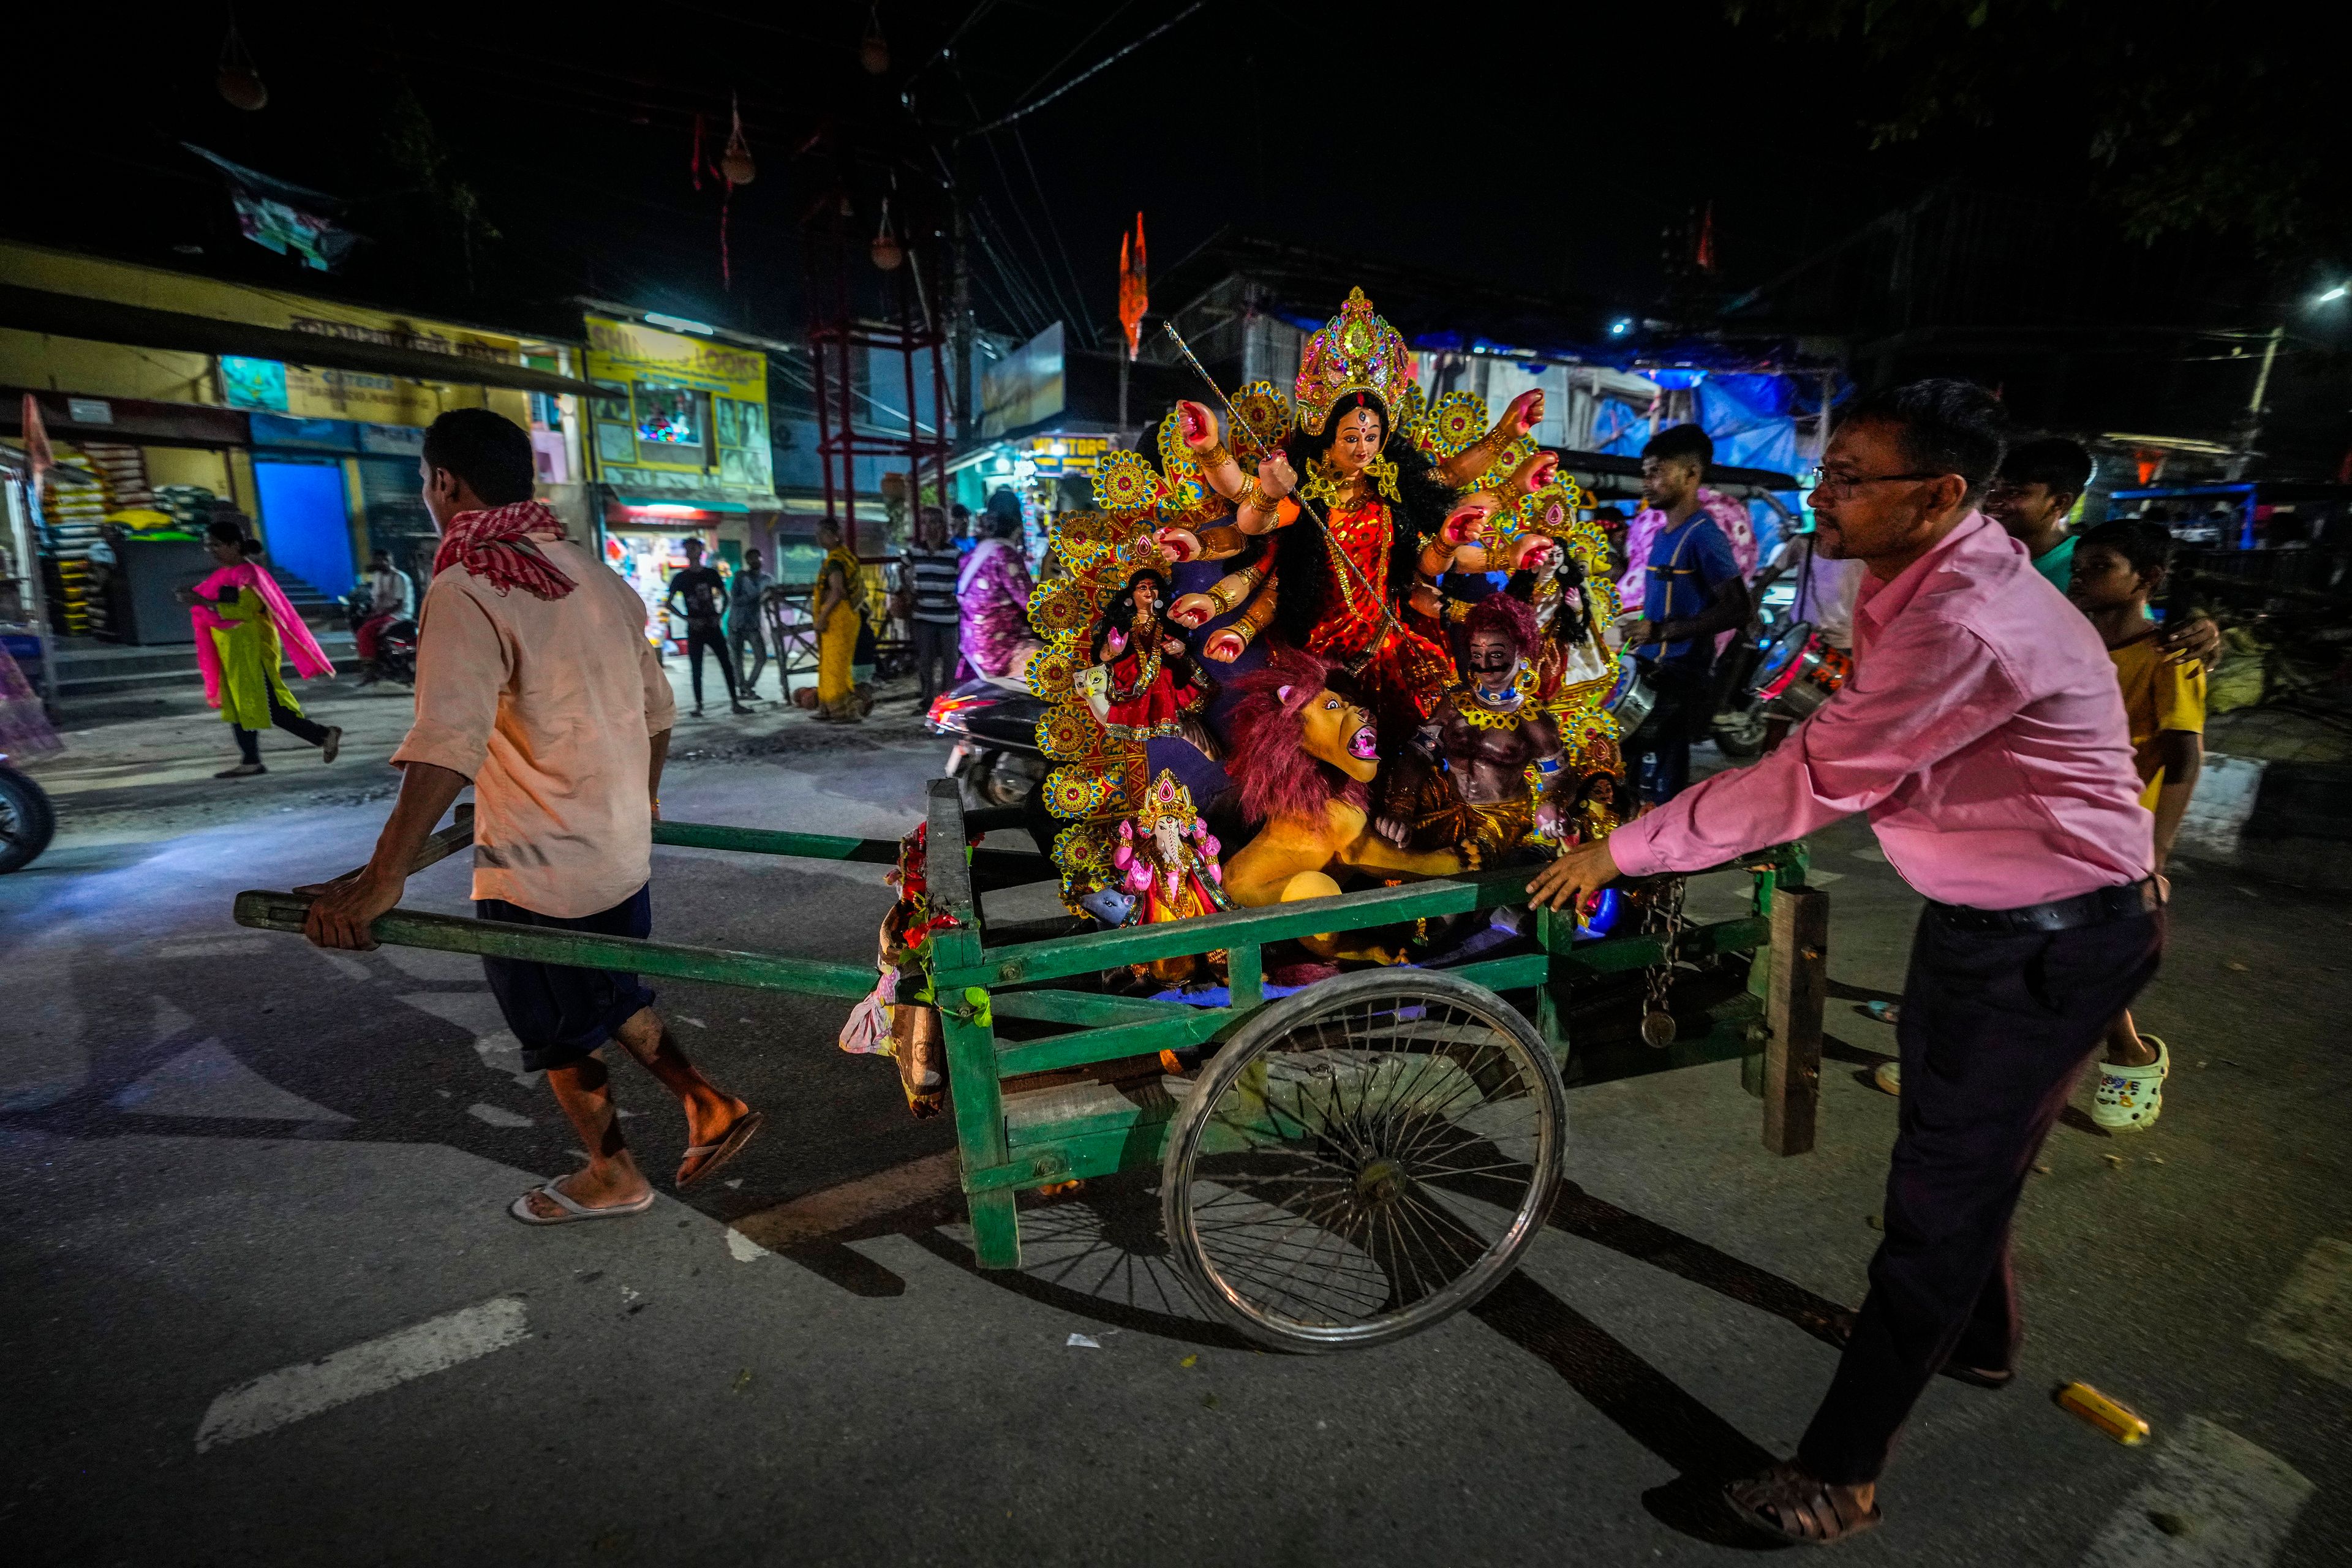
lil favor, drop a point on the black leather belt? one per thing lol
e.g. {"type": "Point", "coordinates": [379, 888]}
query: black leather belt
{"type": "Point", "coordinates": [2142, 897]}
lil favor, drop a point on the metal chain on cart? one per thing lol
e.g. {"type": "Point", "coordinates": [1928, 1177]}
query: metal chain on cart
{"type": "Point", "coordinates": [1663, 917]}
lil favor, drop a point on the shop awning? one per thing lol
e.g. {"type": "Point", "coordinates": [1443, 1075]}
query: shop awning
{"type": "Point", "coordinates": [111, 321]}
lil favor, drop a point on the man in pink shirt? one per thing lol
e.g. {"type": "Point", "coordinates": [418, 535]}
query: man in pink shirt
{"type": "Point", "coordinates": [1984, 735]}
{"type": "Point", "coordinates": [536, 684]}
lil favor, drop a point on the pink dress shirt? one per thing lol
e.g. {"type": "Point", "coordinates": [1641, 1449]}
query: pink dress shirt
{"type": "Point", "coordinates": [1983, 732]}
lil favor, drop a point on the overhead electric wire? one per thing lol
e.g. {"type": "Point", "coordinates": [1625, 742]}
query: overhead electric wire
{"type": "Point", "coordinates": [1062, 306]}
{"type": "Point", "coordinates": [1097, 68]}
{"type": "Point", "coordinates": [1053, 225]}
{"type": "Point", "coordinates": [1072, 53]}
{"type": "Point", "coordinates": [1033, 307]}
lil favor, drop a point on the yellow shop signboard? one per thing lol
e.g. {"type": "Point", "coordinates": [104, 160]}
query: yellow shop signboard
{"type": "Point", "coordinates": [679, 412]}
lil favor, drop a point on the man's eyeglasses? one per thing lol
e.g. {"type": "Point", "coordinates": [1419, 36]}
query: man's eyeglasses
{"type": "Point", "coordinates": [1822, 481]}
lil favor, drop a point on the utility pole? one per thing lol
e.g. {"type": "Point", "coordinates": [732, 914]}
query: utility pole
{"type": "Point", "coordinates": [967, 405]}
{"type": "Point", "coordinates": [2250, 427]}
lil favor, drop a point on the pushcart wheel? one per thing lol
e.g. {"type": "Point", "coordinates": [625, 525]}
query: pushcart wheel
{"type": "Point", "coordinates": [1363, 1160]}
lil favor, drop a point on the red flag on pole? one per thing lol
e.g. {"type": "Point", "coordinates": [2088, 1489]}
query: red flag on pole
{"type": "Point", "coordinates": [1134, 297]}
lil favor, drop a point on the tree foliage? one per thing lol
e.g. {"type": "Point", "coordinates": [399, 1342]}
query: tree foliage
{"type": "Point", "coordinates": [2184, 115]}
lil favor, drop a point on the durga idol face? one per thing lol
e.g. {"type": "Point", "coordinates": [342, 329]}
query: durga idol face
{"type": "Point", "coordinates": [1355, 441]}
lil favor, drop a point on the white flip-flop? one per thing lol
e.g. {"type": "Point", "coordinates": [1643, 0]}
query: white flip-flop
{"type": "Point", "coordinates": [520, 1208]}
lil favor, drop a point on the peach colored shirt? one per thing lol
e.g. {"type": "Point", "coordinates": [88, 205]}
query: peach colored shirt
{"type": "Point", "coordinates": [1983, 732]}
{"type": "Point", "coordinates": [550, 707]}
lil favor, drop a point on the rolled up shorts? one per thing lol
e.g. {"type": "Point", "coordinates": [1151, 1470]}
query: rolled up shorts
{"type": "Point", "coordinates": [560, 1012]}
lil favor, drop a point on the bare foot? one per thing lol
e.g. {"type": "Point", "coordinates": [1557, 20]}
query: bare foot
{"type": "Point", "coordinates": [617, 1182]}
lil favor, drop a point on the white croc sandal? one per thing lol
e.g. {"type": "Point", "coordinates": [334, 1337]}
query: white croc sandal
{"type": "Point", "coordinates": [2129, 1099]}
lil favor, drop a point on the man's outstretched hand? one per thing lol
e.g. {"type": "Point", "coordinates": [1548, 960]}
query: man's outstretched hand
{"type": "Point", "coordinates": [1581, 872]}
{"type": "Point", "coordinates": [345, 908]}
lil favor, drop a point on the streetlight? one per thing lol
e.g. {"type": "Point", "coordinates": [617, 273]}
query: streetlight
{"type": "Point", "coordinates": [2333, 294]}
{"type": "Point", "coordinates": [1621, 326]}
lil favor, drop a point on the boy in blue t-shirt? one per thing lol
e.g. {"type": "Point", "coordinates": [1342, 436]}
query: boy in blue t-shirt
{"type": "Point", "coordinates": [1693, 591]}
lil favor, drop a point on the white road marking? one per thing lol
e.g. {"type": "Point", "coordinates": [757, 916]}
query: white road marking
{"type": "Point", "coordinates": [2310, 1324]}
{"type": "Point", "coordinates": [215, 947]}
{"type": "Point", "coordinates": [742, 1247]}
{"type": "Point", "coordinates": [497, 1116]}
{"type": "Point", "coordinates": [293, 1392]}
{"type": "Point", "coordinates": [2232, 1502]}
{"type": "Point", "coordinates": [207, 1080]}
{"type": "Point", "coordinates": [1822, 879]}
{"type": "Point", "coordinates": [1870, 852]}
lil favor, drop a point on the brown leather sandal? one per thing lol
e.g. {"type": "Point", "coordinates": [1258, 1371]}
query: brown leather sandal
{"type": "Point", "coordinates": [1792, 1503]}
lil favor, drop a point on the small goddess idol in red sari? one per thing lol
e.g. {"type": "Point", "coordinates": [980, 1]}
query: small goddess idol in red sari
{"type": "Point", "coordinates": [1142, 685]}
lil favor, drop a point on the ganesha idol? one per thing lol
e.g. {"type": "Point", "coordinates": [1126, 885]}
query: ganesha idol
{"type": "Point", "coordinates": [1269, 619]}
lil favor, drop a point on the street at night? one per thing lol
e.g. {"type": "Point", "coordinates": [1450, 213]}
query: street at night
{"type": "Point", "coordinates": [229, 1154]}
{"type": "Point", "coordinates": [1200, 784]}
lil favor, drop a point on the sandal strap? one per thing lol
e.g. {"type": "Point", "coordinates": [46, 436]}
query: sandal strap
{"type": "Point", "coordinates": [1801, 1503]}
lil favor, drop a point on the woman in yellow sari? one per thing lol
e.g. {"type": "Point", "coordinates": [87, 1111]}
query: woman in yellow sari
{"type": "Point", "coordinates": [838, 621]}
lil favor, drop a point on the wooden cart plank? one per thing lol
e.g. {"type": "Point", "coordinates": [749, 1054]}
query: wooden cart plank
{"type": "Point", "coordinates": [1275, 922]}
{"type": "Point", "coordinates": [500, 939]}
{"type": "Point", "coordinates": [1087, 1047]}
{"type": "Point", "coordinates": [974, 1090]}
{"type": "Point", "coordinates": [1800, 990]}
{"type": "Point", "coordinates": [1082, 1007]}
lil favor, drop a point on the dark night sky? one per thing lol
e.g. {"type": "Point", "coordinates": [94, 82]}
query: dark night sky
{"type": "Point", "coordinates": [502, 159]}
{"type": "Point", "coordinates": [1543, 147]}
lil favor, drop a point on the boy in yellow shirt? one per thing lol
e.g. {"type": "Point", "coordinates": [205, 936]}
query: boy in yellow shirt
{"type": "Point", "coordinates": [2119, 567]}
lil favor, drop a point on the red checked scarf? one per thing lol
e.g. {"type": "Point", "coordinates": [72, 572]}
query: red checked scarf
{"type": "Point", "coordinates": [489, 544]}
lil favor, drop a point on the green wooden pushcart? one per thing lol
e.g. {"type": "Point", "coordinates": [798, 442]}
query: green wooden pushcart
{"type": "Point", "coordinates": [1340, 1166]}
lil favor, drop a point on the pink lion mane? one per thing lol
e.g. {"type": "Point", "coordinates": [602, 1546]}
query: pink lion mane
{"type": "Point", "coordinates": [1268, 757]}
{"type": "Point", "coordinates": [1502, 613]}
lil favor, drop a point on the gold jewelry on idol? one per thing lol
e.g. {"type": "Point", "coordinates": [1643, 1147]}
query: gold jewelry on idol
{"type": "Point", "coordinates": [1255, 618]}
{"type": "Point", "coordinates": [1382, 471]}
{"type": "Point", "coordinates": [1214, 455]}
{"type": "Point", "coordinates": [1231, 590]}
{"type": "Point", "coordinates": [1254, 497]}
{"type": "Point", "coordinates": [1321, 483]}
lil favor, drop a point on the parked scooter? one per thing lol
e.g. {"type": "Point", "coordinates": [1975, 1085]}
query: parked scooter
{"type": "Point", "coordinates": [396, 646]}
{"type": "Point", "coordinates": [28, 821]}
{"type": "Point", "coordinates": [995, 761]}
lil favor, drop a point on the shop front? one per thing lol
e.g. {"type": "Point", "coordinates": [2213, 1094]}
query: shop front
{"type": "Point", "coordinates": [1048, 472]}
{"type": "Point", "coordinates": [678, 443]}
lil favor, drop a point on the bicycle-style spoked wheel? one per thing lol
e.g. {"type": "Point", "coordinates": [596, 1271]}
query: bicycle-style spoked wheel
{"type": "Point", "coordinates": [1363, 1159]}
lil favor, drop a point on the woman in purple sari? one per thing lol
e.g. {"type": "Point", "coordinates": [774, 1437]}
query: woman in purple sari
{"type": "Point", "coordinates": [992, 601]}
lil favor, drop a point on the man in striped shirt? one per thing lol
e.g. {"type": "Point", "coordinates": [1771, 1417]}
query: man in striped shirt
{"type": "Point", "coordinates": [930, 586]}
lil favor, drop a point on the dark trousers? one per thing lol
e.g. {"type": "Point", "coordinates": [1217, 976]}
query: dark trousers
{"type": "Point", "coordinates": [1995, 1033]}
{"type": "Point", "coordinates": [936, 643]}
{"type": "Point", "coordinates": [248, 742]}
{"type": "Point", "coordinates": [1659, 749]}
{"type": "Point", "coordinates": [699, 637]}
{"type": "Point", "coordinates": [745, 635]}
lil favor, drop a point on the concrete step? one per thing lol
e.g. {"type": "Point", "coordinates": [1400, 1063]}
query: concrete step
{"type": "Point", "coordinates": [90, 673]}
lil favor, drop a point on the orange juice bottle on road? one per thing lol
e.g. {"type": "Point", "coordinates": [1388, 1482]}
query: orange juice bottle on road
{"type": "Point", "coordinates": [2118, 1420]}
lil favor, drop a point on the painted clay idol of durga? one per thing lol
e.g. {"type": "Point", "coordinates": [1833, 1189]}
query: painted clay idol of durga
{"type": "Point", "coordinates": [1362, 633]}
